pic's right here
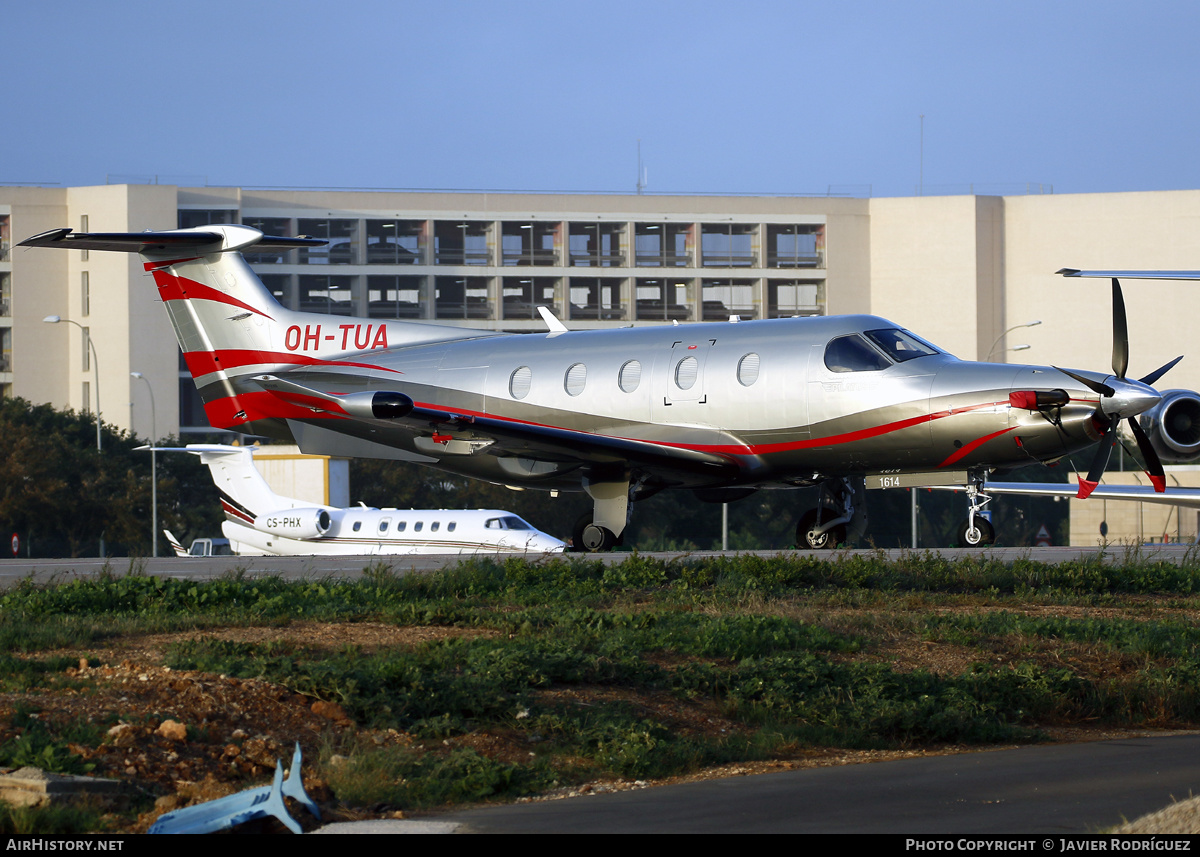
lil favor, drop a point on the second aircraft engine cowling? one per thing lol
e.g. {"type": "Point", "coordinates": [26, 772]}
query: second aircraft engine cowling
{"type": "Point", "coordinates": [1173, 426]}
{"type": "Point", "coordinates": [295, 523]}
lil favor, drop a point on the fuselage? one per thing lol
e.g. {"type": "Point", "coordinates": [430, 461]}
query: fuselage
{"type": "Point", "coordinates": [764, 393]}
{"type": "Point", "coordinates": [365, 531]}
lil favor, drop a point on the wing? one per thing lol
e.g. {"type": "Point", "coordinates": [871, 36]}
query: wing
{"type": "Point", "coordinates": [1131, 275]}
{"type": "Point", "coordinates": [1188, 497]}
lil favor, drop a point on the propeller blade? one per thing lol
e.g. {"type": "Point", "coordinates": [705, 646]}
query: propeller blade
{"type": "Point", "coordinates": [1094, 386]}
{"type": "Point", "coordinates": [1100, 462]}
{"type": "Point", "coordinates": [1154, 468]}
{"type": "Point", "coordinates": [1160, 371]}
{"type": "Point", "coordinates": [1120, 357]}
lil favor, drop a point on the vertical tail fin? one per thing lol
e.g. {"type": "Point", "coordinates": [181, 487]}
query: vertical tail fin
{"type": "Point", "coordinates": [179, 549]}
{"type": "Point", "coordinates": [232, 330]}
{"type": "Point", "coordinates": [245, 494]}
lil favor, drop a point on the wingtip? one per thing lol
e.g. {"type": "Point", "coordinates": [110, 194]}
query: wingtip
{"type": "Point", "coordinates": [1068, 272]}
{"type": "Point", "coordinates": [44, 238]}
{"type": "Point", "coordinates": [1086, 487]}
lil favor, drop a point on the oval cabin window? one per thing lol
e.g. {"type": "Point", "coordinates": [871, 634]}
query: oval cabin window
{"type": "Point", "coordinates": [518, 382]}
{"type": "Point", "coordinates": [747, 371]}
{"type": "Point", "coordinates": [685, 373]}
{"type": "Point", "coordinates": [576, 378]}
{"type": "Point", "coordinates": [630, 376]}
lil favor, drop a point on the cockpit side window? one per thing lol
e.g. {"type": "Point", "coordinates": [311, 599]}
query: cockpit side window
{"type": "Point", "coordinates": [852, 354]}
{"type": "Point", "coordinates": [900, 345]}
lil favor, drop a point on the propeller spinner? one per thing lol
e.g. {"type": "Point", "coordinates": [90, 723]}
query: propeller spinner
{"type": "Point", "coordinates": [1123, 399]}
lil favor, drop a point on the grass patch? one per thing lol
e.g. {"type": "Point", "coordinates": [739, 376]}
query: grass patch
{"type": "Point", "coordinates": [650, 668]}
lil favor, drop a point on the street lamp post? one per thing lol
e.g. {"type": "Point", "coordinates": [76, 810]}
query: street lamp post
{"type": "Point", "coordinates": [55, 319]}
{"type": "Point", "coordinates": [153, 467]}
{"type": "Point", "coordinates": [1006, 333]}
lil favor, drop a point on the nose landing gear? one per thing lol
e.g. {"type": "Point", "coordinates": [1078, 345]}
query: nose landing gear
{"type": "Point", "coordinates": [977, 531]}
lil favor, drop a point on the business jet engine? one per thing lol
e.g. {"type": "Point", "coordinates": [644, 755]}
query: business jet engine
{"type": "Point", "coordinates": [295, 523]}
{"type": "Point", "coordinates": [1173, 426]}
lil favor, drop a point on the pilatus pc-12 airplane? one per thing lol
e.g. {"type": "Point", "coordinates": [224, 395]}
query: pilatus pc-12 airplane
{"type": "Point", "coordinates": [721, 409]}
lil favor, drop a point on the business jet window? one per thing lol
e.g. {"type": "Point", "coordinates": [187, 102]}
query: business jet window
{"type": "Point", "coordinates": [686, 371]}
{"type": "Point", "coordinates": [508, 522]}
{"type": "Point", "coordinates": [450, 526]}
{"type": "Point", "coordinates": [417, 526]}
{"type": "Point", "coordinates": [383, 525]}
{"type": "Point", "coordinates": [518, 382]}
{"type": "Point", "coordinates": [357, 526]}
{"type": "Point", "coordinates": [853, 354]}
{"type": "Point", "coordinates": [434, 526]}
{"type": "Point", "coordinates": [747, 369]}
{"type": "Point", "coordinates": [630, 376]}
{"type": "Point", "coordinates": [900, 345]}
{"type": "Point", "coordinates": [401, 525]}
{"type": "Point", "coordinates": [575, 379]}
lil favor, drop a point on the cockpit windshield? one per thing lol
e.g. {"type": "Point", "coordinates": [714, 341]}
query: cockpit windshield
{"type": "Point", "coordinates": [874, 350]}
{"type": "Point", "coordinates": [900, 345]}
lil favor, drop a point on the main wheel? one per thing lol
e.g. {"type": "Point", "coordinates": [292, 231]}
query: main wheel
{"type": "Point", "coordinates": [591, 538]}
{"type": "Point", "coordinates": [831, 538]}
{"type": "Point", "coordinates": [981, 535]}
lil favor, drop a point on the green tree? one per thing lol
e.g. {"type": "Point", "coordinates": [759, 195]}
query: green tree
{"type": "Point", "coordinates": [61, 495]}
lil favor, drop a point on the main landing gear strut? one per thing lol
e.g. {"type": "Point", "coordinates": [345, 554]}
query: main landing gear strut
{"type": "Point", "coordinates": [601, 529]}
{"type": "Point", "coordinates": [840, 511]}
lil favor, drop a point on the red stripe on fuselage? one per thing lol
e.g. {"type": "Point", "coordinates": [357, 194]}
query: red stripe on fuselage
{"type": "Point", "coordinates": [972, 446]}
{"type": "Point", "coordinates": [203, 362]}
{"type": "Point", "coordinates": [262, 409]}
{"type": "Point", "coordinates": [247, 407]}
{"type": "Point", "coordinates": [234, 512]}
{"type": "Point", "coordinates": [176, 288]}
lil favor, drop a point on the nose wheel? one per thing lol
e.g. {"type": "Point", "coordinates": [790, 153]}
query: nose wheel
{"type": "Point", "coordinates": [978, 534]}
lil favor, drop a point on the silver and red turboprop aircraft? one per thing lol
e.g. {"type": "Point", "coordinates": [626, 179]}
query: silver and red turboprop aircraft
{"type": "Point", "coordinates": [722, 409]}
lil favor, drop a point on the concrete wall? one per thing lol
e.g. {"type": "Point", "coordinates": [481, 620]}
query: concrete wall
{"type": "Point", "coordinates": [926, 268]}
{"type": "Point", "coordinates": [39, 289]}
{"type": "Point", "coordinates": [1136, 231]}
{"type": "Point", "coordinates": [315, 478]}
{"type": "Point", "coordinates": [1132, 523]}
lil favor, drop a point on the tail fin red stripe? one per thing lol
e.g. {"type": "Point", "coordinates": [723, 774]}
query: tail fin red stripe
{"type": "Point", "coordinates": [174, 288]}
{"type": "Point", "coordinates": [203, 362]}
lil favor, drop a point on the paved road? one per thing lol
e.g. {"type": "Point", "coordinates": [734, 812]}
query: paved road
{"type": "Point", "coordinates": [1051, 790]}
{"type": "Point", "coordinates": [351, 567]}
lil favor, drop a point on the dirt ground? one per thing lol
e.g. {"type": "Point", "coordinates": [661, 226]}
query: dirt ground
{"type": "Point", "coordinates": [186, 737]}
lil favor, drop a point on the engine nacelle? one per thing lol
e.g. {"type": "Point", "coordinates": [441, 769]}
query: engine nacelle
{"type": "Point", "coordinates": [1173, 426]}
{"type": "Point", "coordinates": [295, 523]}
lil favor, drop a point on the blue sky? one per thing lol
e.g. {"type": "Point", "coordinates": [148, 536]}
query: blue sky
{"type": "Point", "coordinates": [746, 97]}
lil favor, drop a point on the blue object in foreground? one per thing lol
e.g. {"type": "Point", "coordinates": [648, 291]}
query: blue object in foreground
{"type": "Point", "coordinates": [234, 809]}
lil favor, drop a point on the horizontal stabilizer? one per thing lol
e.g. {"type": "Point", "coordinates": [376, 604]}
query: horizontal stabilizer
{"type": "Point", "coordinates": [165, 242]}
